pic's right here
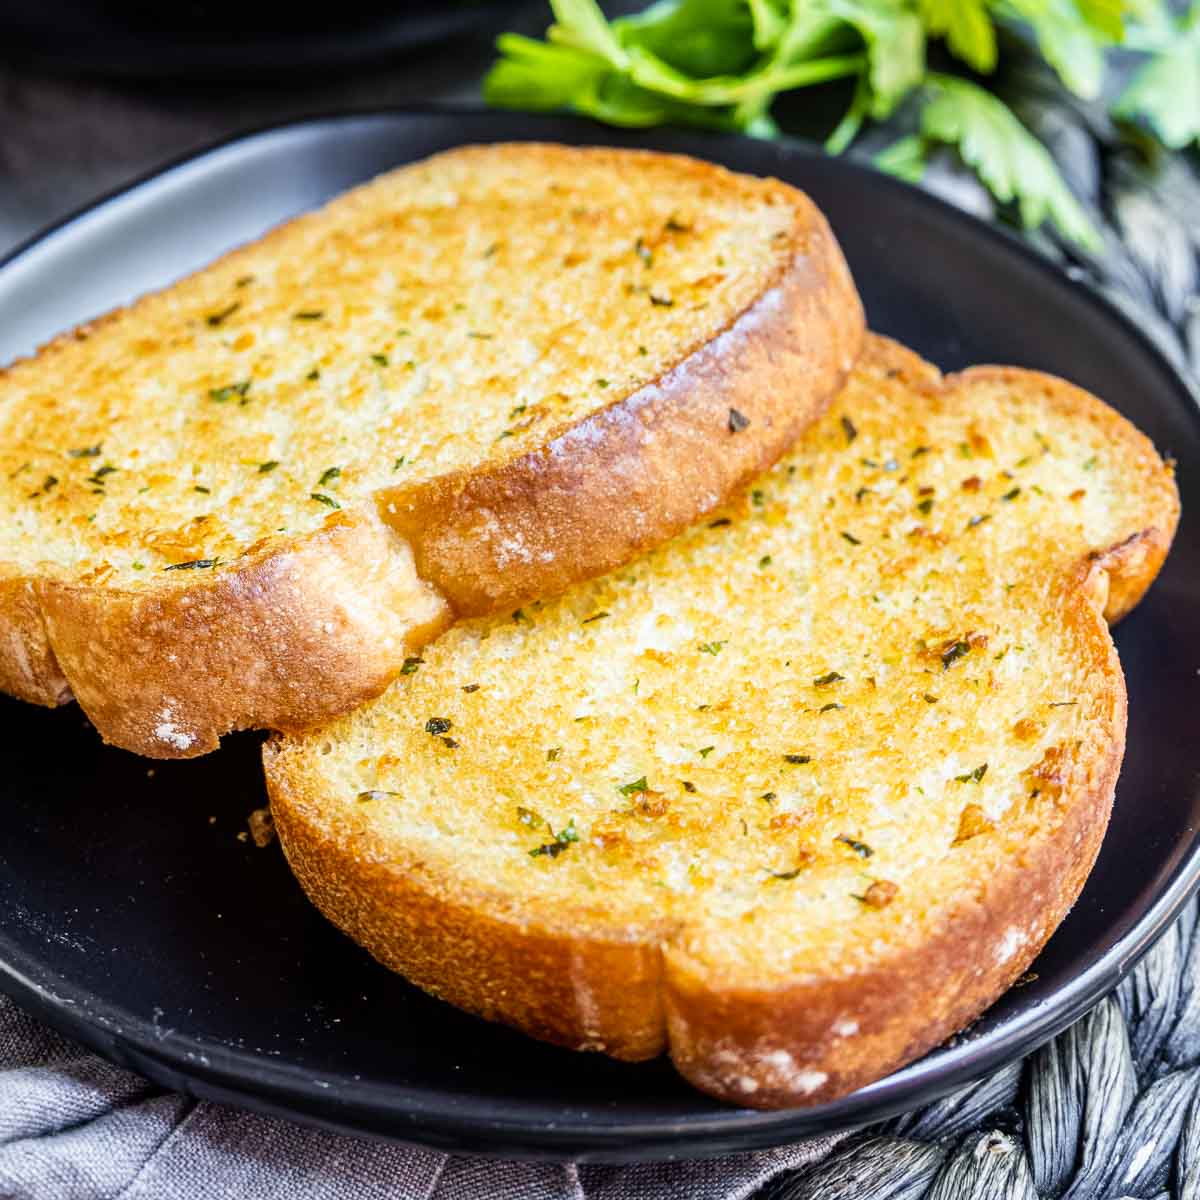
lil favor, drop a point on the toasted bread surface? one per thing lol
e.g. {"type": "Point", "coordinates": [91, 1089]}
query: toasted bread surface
{"type": "Point", "coordinates": [795, 796]}
{"type": "Point", "coordinates": [245, 500]}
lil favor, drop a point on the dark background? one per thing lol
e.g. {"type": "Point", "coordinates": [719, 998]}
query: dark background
{"type": "Point", "coordinates": [85, 107]}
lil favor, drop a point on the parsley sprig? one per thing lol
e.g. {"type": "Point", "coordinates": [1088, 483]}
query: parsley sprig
{"type": "Point", "coordinates": [721, 64]}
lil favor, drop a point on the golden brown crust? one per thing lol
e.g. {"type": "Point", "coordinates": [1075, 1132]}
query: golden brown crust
{"type": "Point", "coordinates": [785, 1046]}
{"type": "Point", "coordinates": [28, 667]}
{"type": "Point", "coordinates": [290, 638]}
{"type": "Point", "coordinates": [570, 980]}
{"type": "Point", "coordinates": [597, 993]}
{"type": "Point", "coordinates": [633, 474]}
{"type": "Point", "coordinates": [286, 637]}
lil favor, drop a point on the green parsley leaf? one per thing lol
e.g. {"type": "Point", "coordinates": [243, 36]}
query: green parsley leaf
{"type": "Point", "coordinates": [1070, 45]}
{"type": "Point", "coordinates": [895, 44]}
{"type": "Point", "coordinates": [1009, 159]}
{"type": "Point", "coordinates": [967, 27]}
{"type": "Point", "coordinates": [1165, 92]}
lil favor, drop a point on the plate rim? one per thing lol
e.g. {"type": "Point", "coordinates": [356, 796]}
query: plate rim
{"type": "Point", "coordinates": [399, 1112]}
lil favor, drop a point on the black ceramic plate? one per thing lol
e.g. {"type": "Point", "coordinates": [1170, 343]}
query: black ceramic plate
{"type": "Point", "coordinates": [134, 919]}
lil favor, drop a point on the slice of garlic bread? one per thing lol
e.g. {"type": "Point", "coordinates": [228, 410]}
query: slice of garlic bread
{"type": "Point", "coordinates": [244, 501]}
{"type": "Point", "coordinates": [795, 796]}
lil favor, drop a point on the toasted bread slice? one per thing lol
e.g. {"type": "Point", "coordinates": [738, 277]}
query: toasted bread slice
{"type": "Point", "coordinates": [245, 500]}
{"type": "Point", "coordinates": [793, 797]}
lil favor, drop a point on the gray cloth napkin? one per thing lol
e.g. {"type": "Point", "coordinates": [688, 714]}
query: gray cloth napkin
{"type": "Point", "coordinates": [74, 1127]}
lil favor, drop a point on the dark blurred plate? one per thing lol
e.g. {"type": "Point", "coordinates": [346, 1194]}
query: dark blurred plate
{"type": "Point", "coordinates": [227, 39]}
{"type": "Point", "coordinates": [133, 919]}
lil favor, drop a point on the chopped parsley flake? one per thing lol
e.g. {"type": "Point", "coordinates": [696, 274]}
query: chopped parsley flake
{"type": "Point", "coordinates": [764, 562]}
{"type": "Point", "coordinates": [632, 789]}
{"type": "Point", "coordinates": [687, 785]}
{"type": "Point", "coordinates": [321, 498]}
{"type": "Point", "coordinates": [410, 665]}
{"type": "Point", "coordinates": [974, 776]}
{"type": "Point", "coordinates": [851, 538]}
{"type": "Point", "coordinates": [849, 430]}
{"type": "Point", "coordinates": [831, 707]}
{"type": "Point", "coordinates": [85, 452]}
{"type": "Point", "coordinates": [308, 314]}
{"type": "Point", "coordinates": [661, 301]}
{"type": "Point", "coordinates": [978, 520]}
{"type": "Point", "coordinates": [1011, 495]}
{"type": "Point", "coordinates": [438, 725]}
{"type": "Point", "coordinates": [553, 753]}
{"type": "Point", "coordinates": [562, 840]}
{"type": "Point", "coordinates": [785, 874]}
{"type": "Point", "coordinates": [196, 564]}
{"type": "Point", "coordinates": [267, 467]}
{"type": "Point", "coordinates": [826, 680]}
{"type": "Point", "coordinates": [929, 698]}
{"type": "Point", "coordinates": [926, 506]}
{"type": "Point", "coordinates": [380, 359]}
{"type": "Point", "coordinates": [313, 374]}
{"type": "Point", "coordinates": [1090, 465]}
{"type": "Point", "coordinates": [859, 848]}
{"type": "Point", "coordinates": [374, 794]}
{"type": "Point", "coordinates": [798, 759]}
{"type": "Point", "coordinates": [329, 474]}
{"type": "Point", "coordinates": [470, 687]}
{"type": "Point", "coordinates": [920, 450]}
{"type": "Point", "coordinates": [713, 648]}
{"type": "Point", "coordinates": [705, 751]}
{"type": "Point", "coordinates": [644, 253]}
{"type": "Point", "coordinates": [202, 489]}
{"type": "Point", "coordinates": [218, 318]}
{"type": "Point", "coordinates": [953, 653]}
{"type": "Point", "coordinates": [222, 395]}
{"type": "Point", "coordinates": [738, 421]}
{"type": "Point", "coordinates": [482, 337]}
{"type": "Point", "coordinates": [595, 617]}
